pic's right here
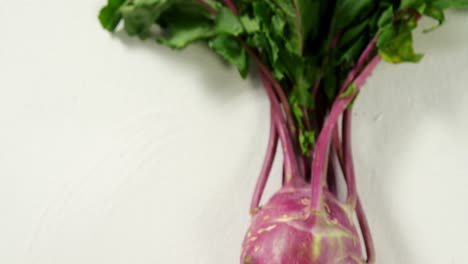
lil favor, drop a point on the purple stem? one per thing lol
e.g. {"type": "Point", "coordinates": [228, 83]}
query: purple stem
{"type": "Point", "coordinates": [290, 162]}
{"type": "Point", "coordinates": [292, 172]}
{"type": "Point", "coordinates": [232, 6]}
{"type": "Point", "coordinates": [266, 168]}
{"type": "Point", "coordinates": [348, 158]}
{"type": "Point", "coordinates": [277, 89]}
{"type": "Point", "coordinates": [365, 55]}
{"type": "Point", "coordinates": [339, 106]}
{"type": "Point", "coordinates": [353, 196]}
{"type": "Point", "coordinates": [366, 233]}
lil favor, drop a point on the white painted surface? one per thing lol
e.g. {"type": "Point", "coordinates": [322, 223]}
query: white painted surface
{"type": "Point", "coordinates": [114, 151]}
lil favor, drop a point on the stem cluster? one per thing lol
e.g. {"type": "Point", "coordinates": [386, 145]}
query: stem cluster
{"type": "Point", "coordinates": [330, 146]}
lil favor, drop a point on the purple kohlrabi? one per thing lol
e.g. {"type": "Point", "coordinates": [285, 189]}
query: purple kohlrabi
{"type": "Point", "coordinates": [286, 231]}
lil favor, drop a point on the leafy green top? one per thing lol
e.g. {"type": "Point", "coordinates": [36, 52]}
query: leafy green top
{"type": "Point", "coordinates": [309, 46]}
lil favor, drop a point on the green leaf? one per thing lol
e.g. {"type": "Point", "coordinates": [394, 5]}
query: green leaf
{"type": "Point", "coordinates": [183, 24]}
{"type": "Point", "coordinates": [215, 4]}
{"type": "Point", "coordinates": [330, 83]}
{"type": "Point", "coordinates": [349, 11]}
{"type": "Point", "coordinates": [261, 10]}
{"type": "Point", "coordinates": [350, 91]}
{"type": "Point", "coordinates": [386, 17]}
{"type": "Point", "coordinates": [354, 51]}
{"type": "Point", "coordinates": [228, 23]}
{"type": "Point", "coordinates": [294, 36]}
{"type": "Point", "coordinates": [251, 25]}
{"type": "Point", "coordinates": [308, 20]}
{"type": "Point", "coordinates": [110, 15]}
{"type": "Point", "coordinates": [278, 25]}
{"type": "Point", "coordinates": [274, 49]}
{"type": "Point", "coordinates": [303, 94]}
{"type": "Point", "coordinates": [435, 13]}
{"type": "Point", "coordinates": [302, 42]}
{"type": "Point", "coordinates": [146, 2]}
{"type": "Point", "coordinates": [418, 5]}
{"type": "Point", "coordinates": [297, 111]}
{"type": "Point", "coordinates": [185, 33]}
{"type": "Point", "coordinates": [446, 4]}
{"type": "Point", "coordinates": [395, 43]}
{"type": "Point", "coordinates": [306, 141]}
{"type": "Point", "coordinates": [232, 50]}
{"type": "Point", "coordinates": [350, 36]}
{"type": "Point", "coordinates": [140, 18]}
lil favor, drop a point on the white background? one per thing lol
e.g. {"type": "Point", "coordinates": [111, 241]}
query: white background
{"type": "Point", "coordinates": [117, 151]}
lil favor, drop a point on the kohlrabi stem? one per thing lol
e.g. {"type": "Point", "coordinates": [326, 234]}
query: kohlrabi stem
{"type": "Point", "coordinates": [353, 196]}
{"type": "Point", "coordinates": [292, 172]}
{"type": "Point", "coordinates": [232, 6]}
{"type": "Point", "coordinates": [337, 109]}
{"type": "Point", "coordinates": [290, 161]}
{"type": "Point", "coordinates": [366, 54]}
{"type": "Point", "coordinates": [366, 232]}
{"type": "Point", "coordinates": [348, 158]}
{"type": "Point", "coordinates": [362, 219]}
{"type": "Point", "coordinates": [266, 168]}
{"type": "Point", "coordinates": [278, 90]}
{"type": "Point", "coordinates": [363, 76]}
{"type": "Point", "coordinates": [323, 142]}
